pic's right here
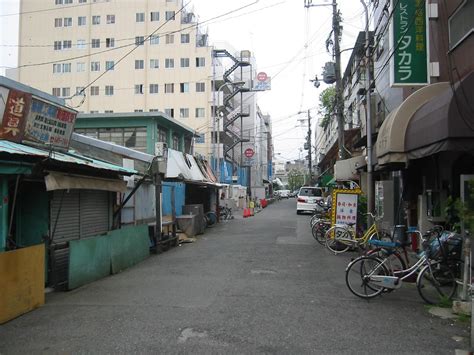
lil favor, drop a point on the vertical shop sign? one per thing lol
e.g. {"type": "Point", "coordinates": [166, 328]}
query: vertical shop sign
{"type": "Point", "coordinates": [409, 63]}
{"type": "Point", "coordinates": [14, 116]}
{"type": "Point", "coordinates": [344, 206]}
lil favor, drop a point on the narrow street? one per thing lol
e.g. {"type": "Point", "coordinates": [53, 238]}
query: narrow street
{"type": "Point", "coordinates": [255, 285]}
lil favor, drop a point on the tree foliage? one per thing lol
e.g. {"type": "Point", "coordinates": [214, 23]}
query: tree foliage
{"type": "Point", "coordinates": [327, 100]}
{"type": "Point", "coordinates": [295, 179]}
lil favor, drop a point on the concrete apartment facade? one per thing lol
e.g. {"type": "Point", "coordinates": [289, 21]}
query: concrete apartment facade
{"type": "Point", "coordinates": [128, 56]}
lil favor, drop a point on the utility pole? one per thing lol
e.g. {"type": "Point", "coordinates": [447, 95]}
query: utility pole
{"type": "Point", "coordinates": [309, 149]}
{"type": "Point", "coordinates": [339, 104]}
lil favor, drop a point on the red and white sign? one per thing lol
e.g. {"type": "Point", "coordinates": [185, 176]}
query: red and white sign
{"type": "Point", "coordinates": [262, 76]}
{"type": "Point", "coordinates": [17, 107]}
{"type": "Point", "coordinates": [249, 152]}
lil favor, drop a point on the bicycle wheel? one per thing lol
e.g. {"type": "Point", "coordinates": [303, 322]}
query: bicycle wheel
{"type": "Point", "coordinates": [336, 239]}
{"type": "Point", "coordinates": [436, 283]}
{"type": "Point", "coordinates": [318, 231]}
{"type": "Point", "coordinates": [358, 275]}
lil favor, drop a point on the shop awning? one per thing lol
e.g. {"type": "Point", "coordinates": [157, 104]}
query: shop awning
{"type": "Point", "coordinates": [347, 169]}
{"type": "Point", "coordinates": [60, 181]}
{"type": "Point", "coordinates": [186, 168]}
{"type": "Point", "coordinates": [390, 146]}
{"type": "Point", "coordinates": [325, 179]}
{"type": "Point", "coordinates": [445, 123]}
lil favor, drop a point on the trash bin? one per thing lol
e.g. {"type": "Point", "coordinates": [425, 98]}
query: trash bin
{"type": "Point", "coordinates": [198, 211]}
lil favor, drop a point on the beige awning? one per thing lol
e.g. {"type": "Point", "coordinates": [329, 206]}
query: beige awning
{"type": "Point", "coordinates": [347, 169]}
{"type": "Point", "coordinates": [60, 181]}
{"type": "Point", "coordinates": [390, 146]}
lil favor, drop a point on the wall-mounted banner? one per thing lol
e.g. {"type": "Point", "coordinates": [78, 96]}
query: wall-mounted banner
{"type": "Point", "coordinates": [262, 82]}
{"type": "Point", "coordinates": [49, 124]}
{"type": "Point", "coordinates": [408, 37]}
{"type": "Point", "coordinates": [17, 106]}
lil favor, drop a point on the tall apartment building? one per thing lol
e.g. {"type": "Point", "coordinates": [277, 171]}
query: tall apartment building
{"type": "Point", "coordinates": [141, 55]}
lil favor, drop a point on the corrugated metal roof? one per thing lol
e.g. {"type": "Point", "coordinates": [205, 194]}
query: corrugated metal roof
{"type": "Point", "coordinates": [70, 157]}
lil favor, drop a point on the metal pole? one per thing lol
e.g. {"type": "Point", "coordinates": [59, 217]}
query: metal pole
{"type": "Point", "coordinates": [339, 101]}
{"type": "Point", "coordinates": [310, 168]}
{"type": "Point", "coordinates": [368, 118]}
{"type": "Point", "coordinates": [4, 213]}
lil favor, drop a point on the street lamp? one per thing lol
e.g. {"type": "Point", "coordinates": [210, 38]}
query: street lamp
{"type": "Point", "coordinates": [216, 121]}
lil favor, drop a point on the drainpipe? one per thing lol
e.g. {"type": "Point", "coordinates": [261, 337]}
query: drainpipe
{"type": "Point", "coordinates": [4, 213]}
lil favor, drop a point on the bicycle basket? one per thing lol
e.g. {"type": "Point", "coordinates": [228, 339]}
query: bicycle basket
{"type": "Point", "coordinates": [448, 245]}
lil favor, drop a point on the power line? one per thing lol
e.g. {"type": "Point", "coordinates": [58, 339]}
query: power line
{"type": "Point", "coordinates": [57, 8]}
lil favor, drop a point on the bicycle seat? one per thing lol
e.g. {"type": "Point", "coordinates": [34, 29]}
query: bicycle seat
{"type": "Point", "coordinates": [384, 244]}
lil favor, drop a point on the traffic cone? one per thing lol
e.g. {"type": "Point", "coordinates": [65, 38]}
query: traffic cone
{"type": "Point", "coordinates": [252, 212]}
{"type": "Point", "coordinates": [245, 213]}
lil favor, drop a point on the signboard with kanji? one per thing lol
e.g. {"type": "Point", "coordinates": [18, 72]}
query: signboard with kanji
{"type": "Point", "coordinates": [16, 108]}
{"type": "Point", "coordinates": [409, 63]}
{"type": "Point", "coordinates": [344, 206]}
{"type": "Point", "coordinates": [49, 124]}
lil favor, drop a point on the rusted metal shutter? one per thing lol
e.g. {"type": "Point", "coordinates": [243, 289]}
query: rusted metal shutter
{"type": "Point", "coordinates": [95, 212]}
{"type": "Point", "coordinates": [65, 225]}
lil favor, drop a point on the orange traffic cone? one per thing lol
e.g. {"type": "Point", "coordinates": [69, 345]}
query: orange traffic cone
{"type": "Point", "coordinates": [245, 213]}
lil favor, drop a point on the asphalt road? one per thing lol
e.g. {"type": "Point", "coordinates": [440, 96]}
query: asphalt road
{"type": "Point", "coordinates": [255, 285]}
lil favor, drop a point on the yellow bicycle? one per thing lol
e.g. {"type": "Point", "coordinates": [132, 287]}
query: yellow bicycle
{"type": "Point", "coordinates": [341, 237]}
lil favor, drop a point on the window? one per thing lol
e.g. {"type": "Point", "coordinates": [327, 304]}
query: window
{"type": "Point", "coordinates": [95, 66]}
{"type": "Point", "coordinates": [140, 17]}
{"type": "Point", "coordinates": [81, 44]}
{"type": "Point", "coordinates": [184, 62]}
{"type": "Point", "coordinates": [200, 87]}
{"type": "Point", "coordinates": [58, 45]}
{"type": "Point", "coordinates": [109, 90]}
{"type": "Point", "coordinates": [109, 65]}
{"type": "Point", "coordinates": [139, 40]}
{"type": "Point", "coordinates": [67, 2]}
{"type": "Point", "coordinates": [81, 21]}
{"type": "Point", "coordinates": [200, 61]}
{"type": "Point", "coordinates": [93, 111]}
{"type": "Point", "coordinates": [66, 92]}
{"type": "Point", "coordinates": [200, 112]}
{"type": "Point", "coordinates": [58, 2]}
{"type": "Point", "coordinates": [154, 16]}
{"type": "Point", "coordinates": [169, 88]}
{"type": "Point", "coordinates": [56, 92]}
{"type": "Point", "coordinates": [170, 112]}
{"type": "Point", "coordinates": [154, 63]}
{"type": "Point", "coordinates": [169, 38]}
{"type": "Point", "coordinates": [57, 68]}
{"type": "Point", "coordinates": [96, 20]}
{"type": "Point", "coordinates": [461, 24]}
{"type": "Point", "coordinates": [154, 110]}
{"type": "Point", "coordinates": [162, 133]}
{"type": "Point", "coordinates": [66, 67]}
{"type": "Point", "coordinates": [58, 22]}
{"type": "Point", "coordinates": [154, 40]}
{"type": "Point", "coordinates": [132, 137]}
{"type": "Point", "coordinates": [67, 21]}
{"type": "Point", "coordinates": [183, 112]}
{"type": "Point", "coordinates": [169, 63]}
{"type": "Point", "coordinates": [175, 142]}
{"type": "Point", "coordinates": [139, 64]}
{"type": "Point", "coordinates": [139, 89]}
{"type": "Point", "coordinates": [110, 42]}
{"type": "Point", "coordinates": [201, 139]}
{"type": "Point", "coordinates": [95, 43]}
{"type": "Point", "coordinates": [82, 1]}
{"type": "Point", "coordinates": [153, 88]}
{"type": "Point", "coordinates": [138, 110]}
{"type": "Point", "coordinates": [108, 111]}
{"type": "Point", "coordinates": [80, 67]}
{"type": "Point", "coordinates": [67, 44]}
{"type": "Point", "coordinates": [185, 38]}
{"type": "Point", "coordinates": [94, 90]}
{"type": "Point", "coordinates": [184, 87]}
{"type": "Point", "coordinates": [110, 19]}
{"type": "Point", "coordinates": [169, 15]}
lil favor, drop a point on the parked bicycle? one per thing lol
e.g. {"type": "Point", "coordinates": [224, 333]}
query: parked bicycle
{"type": "Point", "coordinates": [341, 237]}
{"type": "Point", "coordinates": [369, 276]}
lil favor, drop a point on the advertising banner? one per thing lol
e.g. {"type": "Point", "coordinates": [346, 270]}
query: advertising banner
{"type": "Point", "coordinates": [344, 206]}
{"type": "Point", "coordinates": [49, 124]}
{"type": "Point", "coordinates": [14, 115]}
{"type": "Point", "coordinates": [409, 63]}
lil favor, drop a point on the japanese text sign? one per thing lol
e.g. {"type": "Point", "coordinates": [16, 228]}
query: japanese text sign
{"type": "Point", "coordinates": [14, 116]}
{"type": "Point", "coordinates": [409, 63]}
{"type": "Point", "coordinates": [344, 206]}
{"type": "Point", "coordinates": [49, 124]}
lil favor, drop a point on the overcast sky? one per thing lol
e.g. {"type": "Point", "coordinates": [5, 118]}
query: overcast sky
{"type": "Point", "coordinates": [287, 40]}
